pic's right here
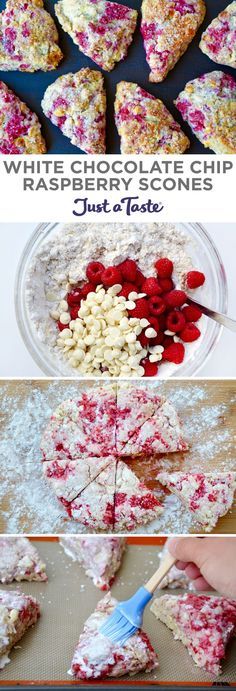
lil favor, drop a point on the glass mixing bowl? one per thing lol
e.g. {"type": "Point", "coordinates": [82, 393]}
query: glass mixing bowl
{"type": "Point", "coordinates": [205, 256]}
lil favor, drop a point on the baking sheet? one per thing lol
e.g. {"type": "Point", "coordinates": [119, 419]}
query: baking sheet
{"type": "Point", "coordinates": [27, 504]}
{"type": "Point", "coordinates": [31, 87]}
{"type": "Point", "coordinates": [68, 599]}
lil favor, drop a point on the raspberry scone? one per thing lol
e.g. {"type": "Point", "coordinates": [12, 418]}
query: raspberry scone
{"type": "Point", "coordinates": [219, 39]}
{"type": "Point", "coordinates": [76, 103]}
{"type": "Point", "coordinates": [17, 613]}
{"type": "Point", "coordinates": [168, 27]}
{"type": "Point", "coordinates": [69, 478]}
{"type": "Point", "coordinates": [160, 434]}
{"type": "Point", "coordinates": [135, 504]}
{"type": "Point", "coordinates": [100, 556]}
{"type": "Point", "coordinates": [96, 657]}
{"type": "Point", "coordinates": [134, 407]}
{"type": "Point", "coordinates": [102, 30]}
{"type": "Point", "coordinates": [208, 103]}
{"type": "Point", "coordinates": [20, 129]}
{"type": "Point", "coordinates": [207, 495]}
{"type": "Point", "coordinates": [20, 561]}
{"type": "Point", "coordinates": [144, 124]}
{"type": "Point", "coordinates": [94, 507]}
{"type": "Point", "coordinates": [174, 578]}
{"type": "Point", "coordinates": [28, 37]}
{"type": "Point", "coordinates": [203, 623]}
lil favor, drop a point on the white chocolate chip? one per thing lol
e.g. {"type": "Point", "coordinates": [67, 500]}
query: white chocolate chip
{"type": "Point", "coordinates": [65, 318]}
{"type": "Point", "coordinates": [150, 332]}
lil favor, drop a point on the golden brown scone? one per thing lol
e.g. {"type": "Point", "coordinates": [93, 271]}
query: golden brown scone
{"type": "Point", "coordinates": [219, 39]}
{"type": "Point", "coordinates": [20, 129]}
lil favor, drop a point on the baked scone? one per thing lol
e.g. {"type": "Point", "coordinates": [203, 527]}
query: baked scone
{"type": "Point", "coordinates": [76, 103]}
{"type": "Point", "coordinates": [20, 129]}
{"type": "Point", "coordinates": [134, 407]}
{"type": "Point", "coordinates": [94, 507]}
{"type": "Point", "coordinates": [19, 560]}
{"type": "Point", "coordinates": [96, 657]}
{"type": "Point", "coordinates": [203, 623]}
{"type": "Point", "coordinates": [219, 39]}
{"type": "Point", "coordinates": [168, 27]}
{"type": "Point", "coordinates": [28, 37]}
{"type": "Point", "coordinates": [144, 124]}
{"type": "Point", "coordinates": [135, 504]}
{"type": "Point", "coordinates": [103, 30]}
{"type": "Point", "coordinates": [208, 103]}
{"type": "Point", "coordinates": [101, 556]}
{"type": "Point", "coordinates": [160, 434]}
{"type": "Point", "coordinates": [17, 613]}
{"type": "Point", "coordinates": [69, 478]}
{"type": "Point", "coordinates": [207, 495]}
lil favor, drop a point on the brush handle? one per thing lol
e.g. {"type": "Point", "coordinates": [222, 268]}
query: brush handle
{"type": "Point", "coordinates": [166, 563]}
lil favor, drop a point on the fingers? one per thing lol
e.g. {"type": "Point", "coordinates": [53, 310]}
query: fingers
{"type": "Point", "coordinates": [187, 549]}
{"type": "Point", "coordinates": [200, 584]}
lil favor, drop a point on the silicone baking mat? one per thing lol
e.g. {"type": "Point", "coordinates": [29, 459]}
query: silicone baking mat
{"type": "Point", "coordinates": [27, 504]}
{"type": "Point", "coordinates": [31, 87]}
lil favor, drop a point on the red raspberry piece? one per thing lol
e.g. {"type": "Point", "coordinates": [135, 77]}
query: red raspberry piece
{"type": "Point", "coordinates": [128, 288]}
{"type": "Point", "coordinates": [74, 297]}
{"type": "Point", "coordinates": [140, 278]}
{"type": "Point", "coordinates": [143, 339]}
{"type": "Point", "coordinates": [162, 322]}
{"type": "Point", "coordinates": [168, 340]}
{"type": "Point", "coordinates": [191, 313]}
{"type": "Point", "coordinates": [190, 333]}
{"type": "Point", "coordinates": [175, 321]}
{"type": "Point", "coordinates": [166, 284]}
{"type": "Point", "coordinates": [62, 326]}
{"type": "Point", "coordinates": [164, 267]}
{"type": "Point", "coordinates": [151, 286]}
{"type": "Point", "coordinates": [150, 368]}
{"type": "Point", "coordinates": [86, 289]}
{"type": "Point", "coordinates": [195, 279]}
{"type": "Point", "coordinates": [74, 312]}
{"type": "Point", "coordinates": [128, 270]}
{"type": "Point", "coordinates": [111, 275]}
{"type": "Point", "coordinates": [176, 298]}
{"type": "Point", "coordinates": [156, 305]}
{"type": "Point", "coordinates": [158, 340]}
{"type": "Point", "coordinates": [94, 272]}
{"type": "Point", "coordinates": [140, 310]}
{"type": "Point", "coordinates": [154, 322]}
{"type": "Point", "coordinates": [174, 353]}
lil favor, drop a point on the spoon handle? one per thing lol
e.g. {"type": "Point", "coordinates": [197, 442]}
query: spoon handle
{"type": "Point", "coordinates": [222, 319]}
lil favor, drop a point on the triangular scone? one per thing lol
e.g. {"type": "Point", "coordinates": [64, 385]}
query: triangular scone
{"type": "Point", "coordinates": [174, 578]}
{"type": "Point", "coordinates": [20, 129]}
{"type": "Point", "coordinates": [83, 426]}
{"type": "Point", "coordinates": [207, 495]}
{"type": "Point", "coordinates": [100, 556]}
{"type": "Point", "coordinates": [160, 434]}
{"type": "Point", "coordinates": [68, 478]}
{"type": "Point", "coordinates": [208, 104]}
{"type": "Point", "coordinates": [135, 504]}
{"type": "Point", "coordinates": [102, 30]}
{"type": "Point", "coordinates": [203, 623]}
{"type": "Point", "coordinates": [144, 124]}
{"type": "Point", "coordinates": [76, 103]}
{"type": "Point", "coordinates": [94, 507]}
{"type": "Point", "coordinates": [168, 28]}
{"type": "Point", "coordinates": [28, 37]}
{"type": "Point", "coordinates": [96, 657]}
{"type": "Point", "coordinates": [17, 613]}
{"type": "Point", "coordinates": [134, 407]}
{"type": "Point", "coordinates": [219, 39]}
{"type": "Point", "coordinates": [19, 560]}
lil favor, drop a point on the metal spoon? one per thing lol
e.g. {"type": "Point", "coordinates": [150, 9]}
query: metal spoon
{"type": "Point", "coordinates": [217, 316]}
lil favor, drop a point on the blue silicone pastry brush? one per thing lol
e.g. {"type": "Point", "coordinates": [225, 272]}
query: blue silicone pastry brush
{"type": "Point", "coordinates": [127, 616]}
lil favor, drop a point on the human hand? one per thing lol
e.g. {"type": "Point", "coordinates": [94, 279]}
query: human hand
{"type": "Point", "coordinates": [209, 562]}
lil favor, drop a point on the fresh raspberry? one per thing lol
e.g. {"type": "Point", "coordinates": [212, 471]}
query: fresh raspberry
{"type": "Point", "coordinates": [74, 312]}
{"type": "Point", "coordinates": [164, 267]}
{"type": "Point", "coordinates": [62, 326]}
{"type": "Point", "coordinates": [140, 278]}
{"type": "Point", "coordinates": [159, 338]}
{"type": "Point", "coordinates": [168, 340]}
{"type": "Point", "coordinates": [143, 339]}
{"type": "Point", "coordinates": [166, 284]}
{"type": "Point", "coordinates": [174, 353]}
{"type": "Point", "coordinates": [195, 279]}
{"type": "Point", "coordinates": [150, 368]}
{"type": "Point", "coordinates": [191, 313]}
{"type": "Point", "coordinates": [176, 298]}
{"type": "Point", "coordinates": [190, 333]}
{"type": "Point", "coordinates": [151, 286]}
{"type": "Point", "coordinates": [154, 322]}
{"type": "Point", "coordinates": [111, 275]}
{"type": "Point", "coordinates": [175, 321]}
{"type": "Point", "coordinates": [128, 270]}
{"type": "Point", "coordinates": [74, 297]}
{"type": "Point", "coordinates": [156, 305]}
{"type": "Point", "coordinates": [86, 289]}
{"type": "Point", "coordinates": [94, 272]}
{"type": "Point", "coordinates": [162, 322]}
{"type": "Point", "coordinates": [140, 310]}
{"type": "Point", "coordinates": [128, 288]}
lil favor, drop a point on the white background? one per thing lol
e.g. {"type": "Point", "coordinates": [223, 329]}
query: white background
{"type": "Point", "coordinates": [15, 360]}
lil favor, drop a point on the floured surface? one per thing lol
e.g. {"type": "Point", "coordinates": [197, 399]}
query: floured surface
{"type": "Point", "coordinates": [207, 410]}
{"type": "Point", "coordinates": [70, 597]}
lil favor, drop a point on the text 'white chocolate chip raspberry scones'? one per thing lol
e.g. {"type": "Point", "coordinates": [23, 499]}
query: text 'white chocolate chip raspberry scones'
{"type": "Point", "coordinates": [76, 103]}
{"type": "Point", "coordinates": [28, 37]}
{"type": "Point", "coordinates": [20, 130]}
{"type": "Point", "coordinates": [101, 556]}
{"type": "Point", "coordinates": [208, 103]}
{"type": "Point", "coordinates": [17, 613]}
{"type": "Point", "coordinates": [144, 124]}
{"type": "Point", "coordinates": [203, 623]}
{"type": "Point", "coordinates": [219, 39]}
{"type": "Point", "coordinates": [19, 560]}
{"type": "Point", "coordinates": [96, 656]}
{"type": "Point", "coordinates": [102, 30]}
{"type": "Point", "coordinates": [168, 27]}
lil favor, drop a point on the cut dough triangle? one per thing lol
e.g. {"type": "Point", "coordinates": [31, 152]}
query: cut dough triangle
{"type": "Point", "coordinates": [17, 613]}
{"type": "Point", "coordinates": [96, 657]}
{"type": "Point", "coordinates": [203, 623]}
{"type": "Point", "coordinates": [20, 129]}
{"type": "Point", "coordinates": [144, 124]}
{"type": "Point", "coordinates": [168, 27]}
{"type": "Point", "coordinates": [219, 39]}
{"type": "Point", "coordinates": [19, 560]}
{"type": "Point", "coordinates": [134, 407]}
{"type": "Point", "coordinates": [160, 434]}
{"type": "Point", "coordinates": [102, 30]}
{"type": "Point", "coordinates": [94, 507]}
{"type": "Point", "coordinates": [28, 37]}
{"type": "Point", "coordinates": [207, 495]}
{"type": "Point", "coordinates": [135, 504]}
{"type": "Point", "coordinates": [100, 556]}
{"type": "Point", "coordinates": [69, 478]}
{"type": "Point", "coordinates": [76, 103]}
